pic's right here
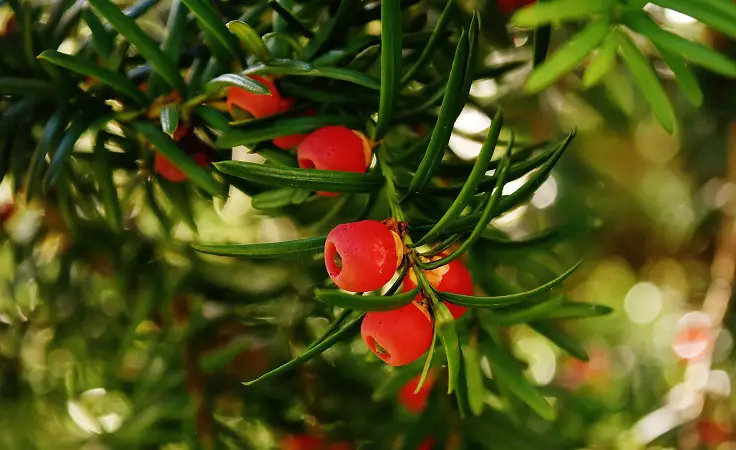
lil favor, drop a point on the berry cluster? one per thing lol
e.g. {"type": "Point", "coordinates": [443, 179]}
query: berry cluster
{"type": "Point", "coordinates": [364, 256]}
{"type": "Point", "coordinates": [183, 134]}
{"type": "Point", "coordinates": [328, 148]}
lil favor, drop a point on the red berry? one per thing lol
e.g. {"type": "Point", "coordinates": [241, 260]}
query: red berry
{"type": "Point", "coordinates": [6, 210]}
{"type": "Point", "coordinates": [170, 172]}
{"type": "Point", "coordinates": [712, 432]}
{"type": "Point", "coordinates": [335, 148]}
{"type": "Point", "coordinates": [416, 402]}
{"type": "Point", "coordinates": [304, 442]}
{"type": "Point", "coordinates": [453, 278]}
{"type": "Point", "coordinates": [509, 6]}
{"type": "Point", "coordinates": [171, 97]}
{"type": "Point", "coordinates": [340, 446]}
{"type": "Point", "coordinates": [189, 143]}
{"type": "Point", "coordinates": [180, 133]}
{"type": "Point", "coordinates": [427, 444]}
{"type": "Point", "coordinates": [10, 26]}
{"type": "Point", "coordinates": [419, 129]}
{"type": "Point", "coordinates": [291, 141]}
{"type": "Point", "coordinates": [257, 105]}
{"type": "Point", "coordinates": [362, 256]}
{"type": "Point", "coordinates": [399, 336]}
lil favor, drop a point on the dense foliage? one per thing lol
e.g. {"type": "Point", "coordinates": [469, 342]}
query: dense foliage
{"type": "Point", "coordinates": [122, 143]}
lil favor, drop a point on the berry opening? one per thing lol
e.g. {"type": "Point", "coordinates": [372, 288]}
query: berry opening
{"type": "Point", "coordinates": [380, 350]}
{"type": "Point", "coordinates": [333, 260]}
{"type": "Point", "coordinates": [377, 349]}
{"type": "Point", "coordinates": [337, 260]}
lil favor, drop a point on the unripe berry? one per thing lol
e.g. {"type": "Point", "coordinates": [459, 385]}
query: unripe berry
{"type": "Point", "coordinates": [257, 105]}
{"type": "Point", "coordinates": [362, 256]}
{"type": "Point", "coordinates": [509, 6]}
{"type": "Point", "coordinates": [399, 336]}
{"type": "Point", "coordinates": [453, 278]}
{"type": "Point", "coordinates": [416, 402]}
{"type": "Point", "coordinates": [335, 148]}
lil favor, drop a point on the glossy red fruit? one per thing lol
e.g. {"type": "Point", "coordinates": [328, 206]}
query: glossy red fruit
{"type": "Point", "coordinates": [509, 6]}
{"type": "Point", "coordinates": [170, 172]}
{"type": "Point", "coordinates": [453, 278]}
{"type": "Point", "coordinates": [399, 336]}
{"type": "Point", "coordinates": [416, 402]}
{"type": "Point", "coordinates": [257, 105]}
{"type": "Point", "coordinates": [362, 256]}
{"type": "Point", "coordinates": [291, 141]}
{"type": "Point", "coordinates": [334, 148]}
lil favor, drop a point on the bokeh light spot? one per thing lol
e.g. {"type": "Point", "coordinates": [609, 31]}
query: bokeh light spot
{"type": "Point", "coordinates": [643, 303]}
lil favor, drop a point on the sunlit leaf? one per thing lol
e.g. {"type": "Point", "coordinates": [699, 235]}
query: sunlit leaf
{"type": "Point", "coordinates": [601, 63]}
{"type": "Point", "coordinates": [210, 21]}
{"type": "Point", "coordinates": [300, 68]}
{"type": "Point", "coordinates": [445, 324]}
{"type": "Point", "coordinates": [649, 85]}
{"type": "Point", "coordinates": [247, 83]}
{"type": "Point", "coordinates": [568, 56]}
{"type": "Point", "coordinates": [390, 64]}
{"type": "Point", "coordinates": [127, 26]}
{"type": "Point", "coordinates": [506, 372]}
{"type": "Point", "coordinates": [684, 77]}
{"type": "Point", "coordinates": [690, 50]}
{"type": "Point", "coordinates": [471, 184]}
{"type": "Point", "coordinates": [312, 179]}
{"type": "Point", "coordinates": [712, 13]}
{"type": "Point", "coordinates": [365, 302]}
{"type": "Point", "coordinates": [169, 119]}
{"type": "Point", "coordinates": [473, 379]}
{"type": "Point", "coordinates": [265, 250]}
{"type": "Point", "coordinates": [443, 128]}
{"type": "Point", "coordinates": [541, 13]}
{"type": "Point", "coordinates": [250, 39]}
{"type": "Point", "coordinates": [271, 129]}
{"type": "Point", "coordinates": [501, 300]}
{"type": "Point", "coordinates": [179, 158]}
{"type": "Point", "coordinates": [568, 343]}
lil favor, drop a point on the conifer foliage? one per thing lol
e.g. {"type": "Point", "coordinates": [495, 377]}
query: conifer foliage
{"type": "Point", "coordinates": [119, 134]}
